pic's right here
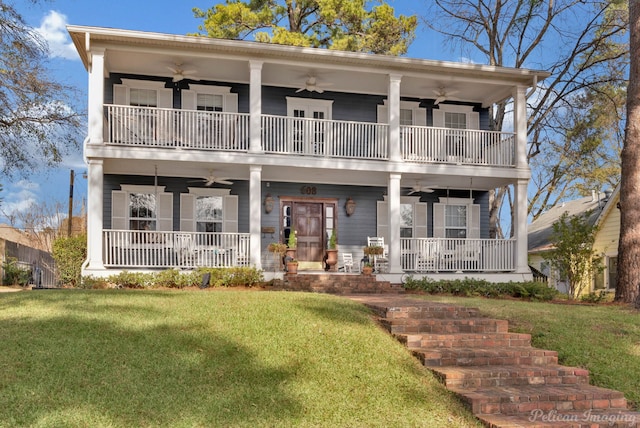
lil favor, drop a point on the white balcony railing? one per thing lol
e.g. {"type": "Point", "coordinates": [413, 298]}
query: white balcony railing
{"type": "Point", "coordinates": [328, 138]}
{"type": "Point", "coordinates": [147, 126]}
{"type": "Point", "coordinates": [156, 249]}
{"type": "Point", "coordinates": [463, 146]}
{"type": "Point", "coordinates": [156, 127]}
{"type": "Point", "coordinates": [457, 255]}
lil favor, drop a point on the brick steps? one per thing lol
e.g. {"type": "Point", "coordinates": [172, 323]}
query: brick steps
{"type": "Point", "coordinates": [466, 340]}
{"type": "Point", "coordinates": [484, 356]}
{"type": "Point", "coordinates": [510, 400]}
{"type": "Point", "coordinates": [442, 325]}
{"type": "Point", "coordinates": [504, 380]}
{"type": "Point", "coordinates": [566, 419]}
{"type": "Point", "coordinates": [510, 375]}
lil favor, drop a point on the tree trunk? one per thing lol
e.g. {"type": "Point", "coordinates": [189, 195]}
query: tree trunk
{"type": "Point", "coordinates": [628, 285]}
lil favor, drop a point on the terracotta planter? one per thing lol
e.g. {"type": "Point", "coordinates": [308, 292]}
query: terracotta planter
{"type": "Point", "coordinates": [291, 252]}
{"type": "Point", "coordinates": [332, 259]}
{"type": "Point", "coordinates": [367, 270]}
{"type": "Point", "coordinates": [292, 268]}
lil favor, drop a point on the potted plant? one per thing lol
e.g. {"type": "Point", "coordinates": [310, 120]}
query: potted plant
{"type": "Point", "coordinates": [292, 266]}
{"type": "Point", "coordinates": [367, 269]}
{"type": "Point", "coordinates": [292, 244]}
{"type": "Point", "coordinates": [278, 250]}
{"type": "Point", "coordinates": [332, 252]}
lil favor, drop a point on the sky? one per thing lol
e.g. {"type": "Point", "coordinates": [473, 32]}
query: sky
{"type": "Point", "coordinates": [50, 17]}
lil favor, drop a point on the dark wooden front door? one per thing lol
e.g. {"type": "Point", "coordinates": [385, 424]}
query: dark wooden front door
{"type": "Point", "coordinates": [307, 221]}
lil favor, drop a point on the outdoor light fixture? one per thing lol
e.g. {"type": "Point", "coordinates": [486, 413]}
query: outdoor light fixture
{"type": "Point", "coordinates": [268, 203]}
{"type": "Point", "coordinates": [350, 206]}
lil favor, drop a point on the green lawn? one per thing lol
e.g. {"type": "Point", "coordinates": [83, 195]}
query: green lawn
{"type": "Point", "coordinates": [603, 338]}
{"type": "Point", "coordinates": [123, 358]}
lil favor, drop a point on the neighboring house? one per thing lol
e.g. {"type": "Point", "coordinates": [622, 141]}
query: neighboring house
{"type": "Point", "coordinates": [30, 252]}
{"type": "Point", "coordinates": [604, 213]}
{"type": "Point", "coordinates": [202, 151]}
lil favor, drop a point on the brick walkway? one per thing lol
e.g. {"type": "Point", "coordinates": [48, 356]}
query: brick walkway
{"type": "Point", "coordinates": [497, 374]}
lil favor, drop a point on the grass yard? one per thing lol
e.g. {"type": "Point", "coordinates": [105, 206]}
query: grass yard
{"type": "Point", "coordinates": [125, 358]}
{"type": "Point", "coordinates": [603, 338]}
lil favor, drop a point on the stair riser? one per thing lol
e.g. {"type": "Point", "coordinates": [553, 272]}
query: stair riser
{"type": "Point", "coordinates": [446, 328]}
{"type": "Point", "coordinates": [431, 313]}
{"type": "Point", "coordinates": [515, 342]}
{"type": "Point", "coordinates": [514, 381]}
{"type": "Point", "coordinates": [522, 405]}
{"type": "Point", "coordinates": [434, 361]}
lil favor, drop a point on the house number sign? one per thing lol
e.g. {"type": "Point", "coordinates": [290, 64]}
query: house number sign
{"type": "Point", "coordinates": [308, 190]}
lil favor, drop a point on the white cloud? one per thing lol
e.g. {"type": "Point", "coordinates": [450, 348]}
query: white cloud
{"type": "Point", "coordinates": [53, 30]}
{"type": "Point", "coordinates": [19, 197]}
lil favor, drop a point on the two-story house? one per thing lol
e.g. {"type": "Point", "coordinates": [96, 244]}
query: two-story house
{"type": "Point", "coordinates": [203, 151]}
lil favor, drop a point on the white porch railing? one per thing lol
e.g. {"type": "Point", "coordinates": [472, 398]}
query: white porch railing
{"type": "Point", "coordinates": [203, 130]}
{"type": "Point", "coordinates": [329, 138]}
{"type": "Point", "coordinates": [457, 255]}
{"type": "Point", "coordinates": [462, 146]}
{"type": "Point", "coordinates": [156, 249]}
{"type": "Point", "coordinates": [147, 126]}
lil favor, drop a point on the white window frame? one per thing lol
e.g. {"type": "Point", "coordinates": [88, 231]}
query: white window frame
{"type": "Point", "coordinates": [419, 114]}
{"type": "Point", "coordinates": [188, 220]}
{"type": "Point", "coordinates": [190, 97]}
{"type": "Point", "coordinates": [439, 216]}
{"type": "Point", "coordinates": [120, 218]}
{"type": "Point", "coordinates": [295, 103]}
{"type": "Point", "coordinates": [420, 212]}
{"type": "Point", "coordinates": [473, 117]}
{"type": "Point", "coordinates": [122, 96]}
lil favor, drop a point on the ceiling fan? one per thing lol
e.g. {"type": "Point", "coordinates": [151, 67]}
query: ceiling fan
{"type": "Point", "coordinates": [420, 189]}
{"type": "Point", "coordinates": [179, 73]}
{"type": "Point", "coordinates": [442, 95]}
{"type": "Point", "coordinates": [210, 179]}
{"type": "Point", "coordinates": [311, 85]}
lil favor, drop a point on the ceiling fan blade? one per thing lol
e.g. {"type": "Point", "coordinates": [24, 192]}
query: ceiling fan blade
{"type": "Point", "coordinates": [224, 181]}
{"type": "Point", "coordinates": [319, 90]}
{"type": "Point", "coordinates": [300, 90]}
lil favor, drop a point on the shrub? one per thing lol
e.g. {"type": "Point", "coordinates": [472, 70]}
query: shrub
{"type": "Point", "coordinates": [15, 274]}
{"type": "Point", "coordinates": [69, 254]}
{"type": "Point", "coordinates": [472, 287]}
{"type": "Point", "coordinates": [594, 297]}
{"type": "Point", "coordinates": [174, 278]}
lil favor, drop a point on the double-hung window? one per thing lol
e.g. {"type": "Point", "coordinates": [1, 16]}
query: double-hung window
{"type": "Point", "coordinates": [209, 213]}
{"type": "Point", "coordinates": [455, 221]}
{"type": "Point", "coordinates": [141, 207]}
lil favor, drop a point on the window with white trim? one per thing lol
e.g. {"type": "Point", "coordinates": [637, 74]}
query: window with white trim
{"type": "Point", "coordinates": [143, 97]}
{"type": "Point", "coordinates": [406, 220]}
{"type": "Point", "coordinates": [455, 120]}
{"type": "Point", "coordinates": [141, 207]}
{"type": "Point", "coordinates": [413, 218]}
{"type": "Point", "coordinates": [455, 117]}
{"type": "Point", "coordinates": [455, 221]}
{"type": "Point", "coordinates": [209, 213]}
{"type": "Point", "coordinates": [456, 218]}
{"type": "Point", "coordinates": [209, 102]}
{"type": "Point", "coordinates": [142, 211]}
{"type": "Point", "coordinates": [208, 210]}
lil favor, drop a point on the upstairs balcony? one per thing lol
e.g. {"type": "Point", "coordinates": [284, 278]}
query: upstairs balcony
{"type": "Point", "coordinates": [218, 131]}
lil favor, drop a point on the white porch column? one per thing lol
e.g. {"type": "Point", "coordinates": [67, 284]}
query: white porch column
{"type": "Point", "coordinates": [96, 96]}
{"type": "Point", "coordinates": [255, 208]}
{"type": "Point", "coordinates": [520, 125]}
{"type": "Point", "coordinates": [522, 264]}
{"type": "Point", "coordinates": [95, 197]}
{"type": "Point", "coordinates": [393, 190]}
{"type": "Point", "coordinates": [395, 154]}
{"type": "Point", "coordinates": [255, 107]}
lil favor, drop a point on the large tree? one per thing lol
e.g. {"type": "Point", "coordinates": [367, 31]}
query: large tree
{"type": "Point", "coordinates": [579, 41]}
{"type": "Point", "coordinates": [37, 124]}
{"type": "Point", "coordinates": [351, 25]}
{"type": "Point", "coordinates": [628, 286]}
